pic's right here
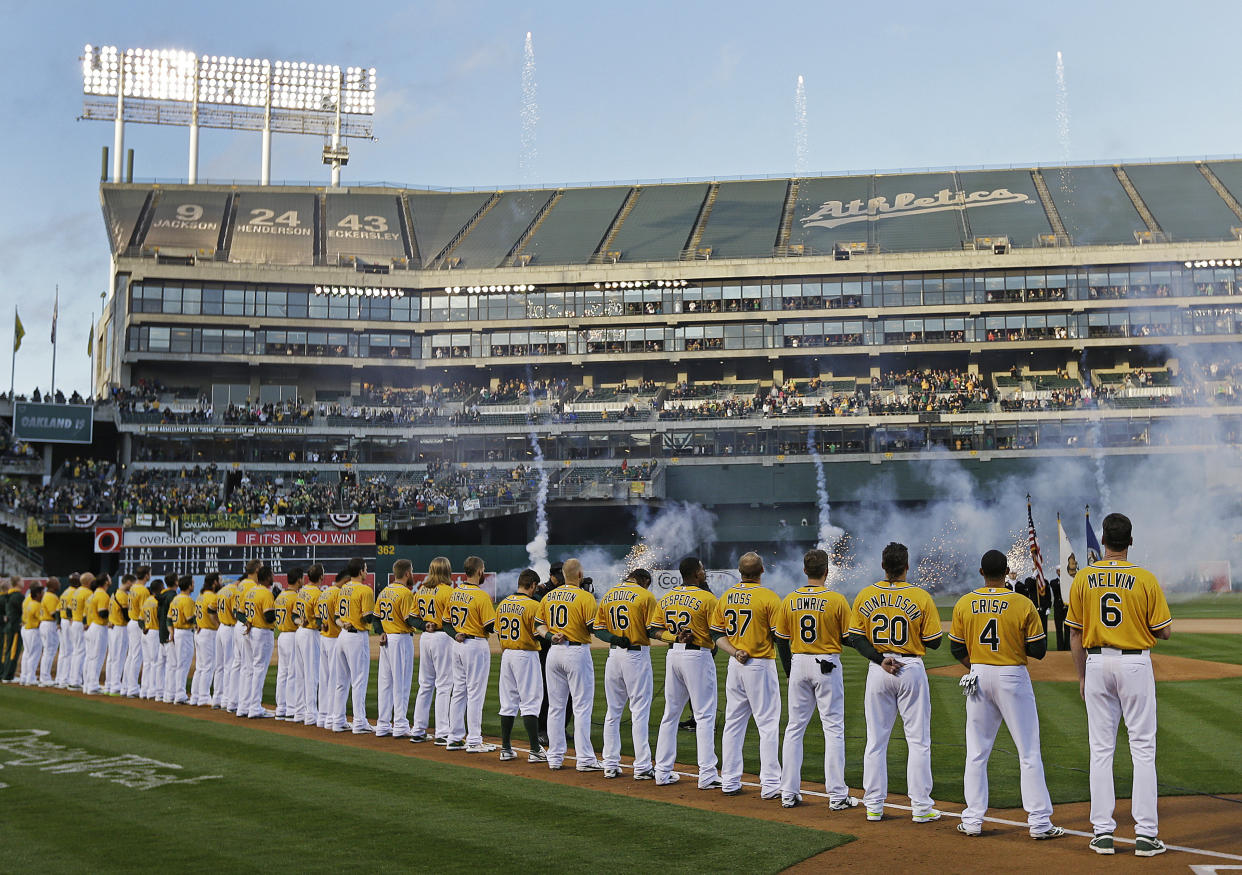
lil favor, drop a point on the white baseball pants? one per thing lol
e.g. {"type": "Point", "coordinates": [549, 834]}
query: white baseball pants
{"type": "Point", "coordinates": [49, 639]}
{"type": "Point", "coordinates": [327, 682]}
{"type": "Point", "coordinates": [811, 689]}
{"type": "Point", "coordinates": [243, 658]}
{"type": "Point", "coordinates": [288, 693]}
{"type": "Point", "coordinates": [153, 661]}
{"type": "Point", "coordinates": [396, 674]}
{"type": "Point", "coordinates": [570, 672]}
{"type": "Point", "coordinates": [64, 668]}
{"type": "Point", "coordinates": [752, 690]}
{"type": "Point", "coordinates": [354, 674]}
{"type": "Point", "coordinates": [225, 691]}
{"type": "Point", "coordinates": [260, 655]}
{"type": "Point", "coordinates": [472, 665]}
{"type": "Point", "coordinates": [177, 666]}
{"type": "Point", "coordinates": [204, 666]}
{"type": "Point", "coordinates": [435, 680]}
{"type": "Point", "coordinates": [133, 655]}
{"type": "Point", "coordinates": [32, 652]}
{"type": "Point", "coordinates": [116, 659]}
{"type": "Point", "coordinates": [627, 678]}
{"type": "Point", "coordinates": [521, 683]}
{"type": "Point", "coordinates": [1122, 688]}
{"type": "Point", "coordinates": [95, 640]}
{"type": "Point", "coordinates": [308, 662]}
{"type": "Point", "coordinates": [77, 667]}
{"type": "Point", "coordinates": [888, 695]}
{"type": "Point", "coordinates": [689, 676]}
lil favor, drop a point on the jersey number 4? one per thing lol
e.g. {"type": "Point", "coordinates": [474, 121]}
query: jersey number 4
{"type": "Point", "coordinates": [990, 635]}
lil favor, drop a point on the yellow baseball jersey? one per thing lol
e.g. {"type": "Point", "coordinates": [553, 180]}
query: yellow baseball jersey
{"type": "Point", "coordinates": [49, 606]}
{"type": "Point", "coordinates": [259, 600]}
{"type": "Point", "coordinates": [896, 617]}
{"type": "Point", "coordinates": [80, 597]}
{"type": "Point", "coordinates": [285, 604]}
{"type": "Point", "coordinates": [353, 605]}
{"type": "Point", "coordinates": [226, 603]}
{"type": "Point", "coordinates": [628, 609]}
{"type": "Point", "coordinates": [137, 597]}
{"type": "Point", "coordinates": [687, 607]}
{"type": "Point", "coordinates": [243, 589]}
{"type": "Point", "coordinates": [151, 614]}
{"type": "Point", "coordinates": [68, 598]}
{"type": "Point", "coordinates": [206, 603]}
{"type": "Point", "coordinates": [30, 613]}
{"type": "Point", "coordinates": [325, 610]}
{"type": "Point", "coordinates": [433, 602]}
{"type": "Point", "coordinates": [995, 624]}
{"type": "Point", "coordinates": [471, 610]}
{"type": "Point", "coordinates": [97, 607]}
{"type": "Point", "coordinates": [118, 603]}
{"type": "Point", "coordinates": [813, 620]}
{"type": "Point", "coordinates": [515, 622]}
{"type": "Point", "coordinates": [745, 614]}
{"type": "Point", "coordinates": [308, 601]}
{"type": "Point", "coordinates": [181, 612]}
{"type": "Point", "coordinates": [1115, 603]}
{"type": "Point", "coordinates": [394, 604]}
{"type": "Point", "coordinates": [569, 610]}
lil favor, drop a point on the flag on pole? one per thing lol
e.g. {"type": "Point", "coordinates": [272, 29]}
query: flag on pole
{"type": "Point", "coordinates": [1036, 558]}
{"type": "Point", "coordinates": [1093, 545]}
{"type": "Point", "coordinates": [18, 331]}
{"type": "Point", "coordinates": [90, 343]}
{"type": "Point", "coordinates": [1067, 562]}
{"type": "Point", "coordinates": [55, 312]}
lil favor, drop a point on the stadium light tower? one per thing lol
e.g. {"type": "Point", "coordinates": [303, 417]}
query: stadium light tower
{"type": "Point", "coordinates": [171, 87]}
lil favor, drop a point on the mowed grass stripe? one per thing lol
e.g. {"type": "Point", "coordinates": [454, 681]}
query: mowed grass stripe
{"type": "Point", "coordinates": [319, 806]}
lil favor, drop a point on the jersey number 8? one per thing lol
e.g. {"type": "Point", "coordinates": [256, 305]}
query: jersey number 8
{"type": "Point", "coordinates": [808, 628]}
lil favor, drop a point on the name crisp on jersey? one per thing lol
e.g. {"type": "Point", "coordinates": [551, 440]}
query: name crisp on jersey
{"type": "Point", "coordinates": [890, 600]}
{"type": "Point", "coordinates": [987, 606]}
{"type": "Point", "coordinates": [836, 213]}
{"type": "Point", "coordinates": [1107, 579]}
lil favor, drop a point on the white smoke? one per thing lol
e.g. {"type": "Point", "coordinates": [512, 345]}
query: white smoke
{"type": "Point", "coordinates": [529, 155]}
{"type": "Point", "coordinates": [801, 140]}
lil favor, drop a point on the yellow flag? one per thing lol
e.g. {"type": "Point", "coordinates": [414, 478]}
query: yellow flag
{"type": "Point", "coordinates": [18, 332]}
{"type": "Point", "coordinates": [90, 344]}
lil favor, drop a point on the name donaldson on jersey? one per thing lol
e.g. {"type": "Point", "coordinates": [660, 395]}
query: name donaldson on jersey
{"type": "Point", "coordinates": [890, 600]}
{"type": "Point", "coordinates": [1107, 579]}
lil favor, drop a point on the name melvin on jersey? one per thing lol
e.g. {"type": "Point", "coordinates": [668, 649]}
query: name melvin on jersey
{"type": "Point", "coordinates": [1108, 580]}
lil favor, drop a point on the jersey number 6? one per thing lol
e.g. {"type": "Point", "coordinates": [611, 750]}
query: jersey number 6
{"type": "Point", "coordinates": [1110, 613]}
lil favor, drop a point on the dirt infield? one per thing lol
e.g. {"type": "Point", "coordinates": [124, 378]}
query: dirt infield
{"type": "Point", "coordinates": [1197, 822]}
{"type": "Point", "coordinates": [1059, 666]}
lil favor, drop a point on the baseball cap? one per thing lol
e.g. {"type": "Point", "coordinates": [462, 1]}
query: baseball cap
{"type": "Point", "coordinates": [639, 575]}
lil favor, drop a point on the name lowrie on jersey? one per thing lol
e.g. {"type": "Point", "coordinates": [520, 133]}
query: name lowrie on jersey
{"type": "Point", "coordinates": [891, 600]}
{"type": "Point", "coordinates": [809, 603]}
{"type": "Point", "coordinates": [1109, 580]}
{"type": "Point", "coordinates": [836, 213]}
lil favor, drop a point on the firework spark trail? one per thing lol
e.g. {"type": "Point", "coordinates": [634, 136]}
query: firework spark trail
{"type": "Point", "coordinates": [827, 535]}
{"type": "Point", "coordinates": [530, 113]}
{"type": "Point", "coordinates": [1063, 123]}
{"type": "Point", "coordinates": [801, 142]}
{"type": "Point", "coordinates": [1097, 446]}
{"type": "Point", "coordinates": [537, 550]}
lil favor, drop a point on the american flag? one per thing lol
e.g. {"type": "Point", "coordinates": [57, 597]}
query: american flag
{"type": "Point", "coordinates": [1036, 557]}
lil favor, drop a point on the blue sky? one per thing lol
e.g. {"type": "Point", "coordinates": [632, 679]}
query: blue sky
{"type": "Point", "coordinates": [640, 90]}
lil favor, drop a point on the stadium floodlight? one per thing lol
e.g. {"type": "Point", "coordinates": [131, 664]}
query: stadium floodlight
{"type": "Point", "coordinates": [173, 87]}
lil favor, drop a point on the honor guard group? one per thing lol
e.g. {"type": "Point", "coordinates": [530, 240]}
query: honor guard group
{"type": "Point", "coordinates": [139, 638]}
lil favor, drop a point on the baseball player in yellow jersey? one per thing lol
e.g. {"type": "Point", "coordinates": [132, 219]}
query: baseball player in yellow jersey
{"type": "Point", "coordinates": [742, 626]}
{"type": "Point", "coordinates": [683, 621]}
{"type": "Point", "coordinates": [564, 619]}
{"type": "Point", "coordinates": [471, 619]}
{"type": "Point", "coordinates": [95, 636]}
{"type": "Point", "coordinates": [181, 614]}
{"type": "Point", "coordinates": [260, 612]}
{"type": "Point", "coordinates": [64, 668]}
{"type": "Point", "coordinates": [355, 611]}
{"type": "Point", "coordinates": [396, 656]}
{"type": "Point", "coordinates": [305, 615]}
{"type": "Point", "coordinates": [77, 629]}
{"type": "Point", "coordinates": [243, 657]}
{"type": "Point", "coordinates": [1117, 610]}
{"type": "Point", "coordinates": [138, 593]}
{"type": "Point", "coordinates": [288, 694]}
{"type": "Point", "coordinates": [224, 687]}
{"type": "Point", "coordinates": [32, 642]}
{"type": "Point", "coordinates": [993, 633]}
{"type": "Point", "coordinates": [331, 684]}
{"type": "Point", "coordinates": [892, 624]}
{"type": "Point", "coordinates": [118, 621]}
{"type": "Point", "coordinates": [521, 681]}
{"type": "Point", "coordinates": [809, 629]}
{"type": "Point", "coordinates": [621, 622]}
{"type": "Point", "coordinates": [435, 653]}
{"type": "Point", "coordinates": [49, 630]}
{"type": "Point", "coordinates": [206, 624]}
{"type": "Point", "coordinates": [153, 652]}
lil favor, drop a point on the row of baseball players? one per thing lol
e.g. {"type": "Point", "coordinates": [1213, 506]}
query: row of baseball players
{"type": "Point", "coordinates": [1116, 611]}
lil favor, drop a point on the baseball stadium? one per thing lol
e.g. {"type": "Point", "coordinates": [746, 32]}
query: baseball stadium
{"type": "Point", "coordinates": [520, 413]}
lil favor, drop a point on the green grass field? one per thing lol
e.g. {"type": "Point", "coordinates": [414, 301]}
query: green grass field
{"type": "Point", "coordinates": [1197, 719]}
{"type": "Point", "coordinates": [286, 802]}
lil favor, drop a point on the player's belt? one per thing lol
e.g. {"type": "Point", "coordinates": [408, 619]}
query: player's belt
{"type": "Point", "coordinates": [349, 629]}
{"type": "Point", "coordinates": [896, 655]}
{"type": "Point", "coordinates": [470, 637]}
{"type": "Point", "coordinates": [571, 643]}
{"type": "Point", "coordinates": [631, 648]}
{"type": "Point", "coordinates": [1113, 650]}
{"type": "Point", "coordinates": [680, 645]}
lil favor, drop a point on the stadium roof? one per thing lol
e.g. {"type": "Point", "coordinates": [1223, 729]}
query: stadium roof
{"type": "Point", "coordinates": [1123, 204]}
